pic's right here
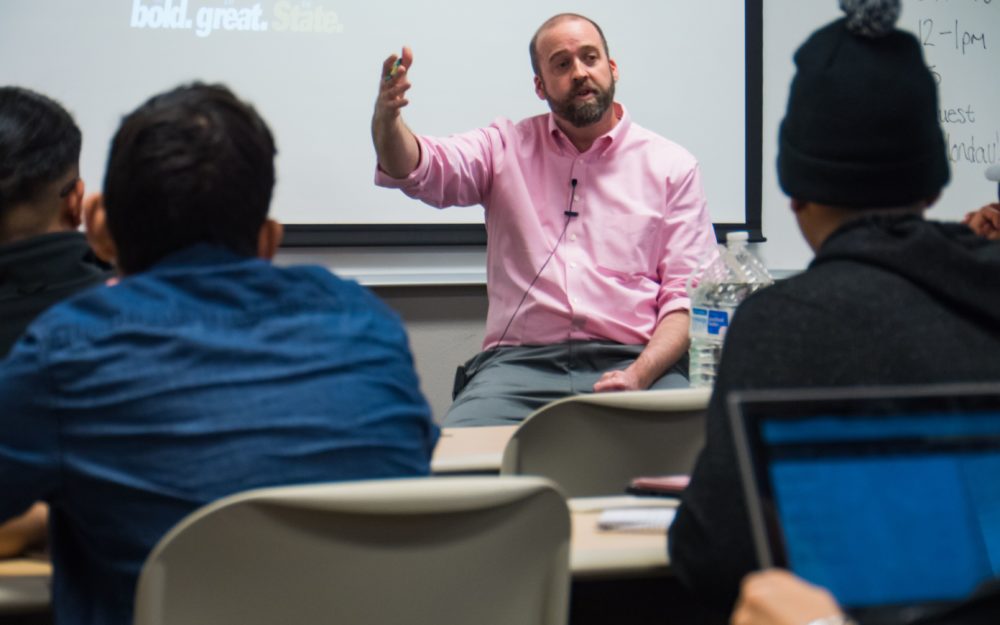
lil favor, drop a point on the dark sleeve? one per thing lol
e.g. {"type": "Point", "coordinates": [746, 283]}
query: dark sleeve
{"type": "Point", "coordinates": [710, 544]}
{"type": "Point", "coordinates": [398, 410]}
{"type": "Point", "coordinates": [28, 433]}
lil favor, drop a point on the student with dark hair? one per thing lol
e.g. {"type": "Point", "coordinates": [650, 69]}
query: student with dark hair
{"type": "Point", "coordinates": [200, 164]}
{"type": "Point", "coordinates": [205, 371]}
{"type": "Point", "coordinates": [43, 258]}
{"type": "Point", "coordinates": [890, 298]}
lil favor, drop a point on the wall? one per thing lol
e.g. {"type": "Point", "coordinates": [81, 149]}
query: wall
{"type": "Point", "coordinates": [961, 43]}
{"type": "Point", "coordinates": [314, 78]}
{"type": "Point", "coordinates": [443, 302]}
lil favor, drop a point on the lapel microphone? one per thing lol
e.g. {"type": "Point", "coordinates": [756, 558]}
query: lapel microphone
{"type": "Point", "coordinates": [570, 213]}
{"type": "Point", "coordinates": [572, 196]}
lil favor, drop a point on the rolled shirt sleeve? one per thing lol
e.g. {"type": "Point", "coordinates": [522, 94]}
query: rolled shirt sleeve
{"type": "Point", "coordinates": [453, 172]}
{"type": "Point", "coordinates": [612, 270]}
{"type": "Point", "coordinates": [689, 241]}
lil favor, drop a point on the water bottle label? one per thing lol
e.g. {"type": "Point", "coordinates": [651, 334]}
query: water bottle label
{"type": "Point", "coordinates": [709, 322]}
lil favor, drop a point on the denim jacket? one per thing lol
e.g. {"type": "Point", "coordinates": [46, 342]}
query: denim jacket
{"type": "Point", "coordinates": [128, 406]}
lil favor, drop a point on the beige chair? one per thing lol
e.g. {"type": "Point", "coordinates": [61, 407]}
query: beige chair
{"type": "Point", "coordinates": [592, 445]}
{"type": "Point", "coordinates": [462, 550]}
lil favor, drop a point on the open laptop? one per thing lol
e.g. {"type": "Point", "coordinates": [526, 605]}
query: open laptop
{"type": "Point", "coordinates": [888, 497]}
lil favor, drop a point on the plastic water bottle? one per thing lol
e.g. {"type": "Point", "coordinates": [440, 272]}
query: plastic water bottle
{"type": "Point", "coordinates": [715, 293]}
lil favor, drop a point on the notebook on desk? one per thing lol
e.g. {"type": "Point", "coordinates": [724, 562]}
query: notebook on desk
{"type": "Point", "coordinates": [890, 498]}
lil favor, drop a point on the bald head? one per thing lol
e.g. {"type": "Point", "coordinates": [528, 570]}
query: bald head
{"type": "Point", "coordinates": [555, 20]}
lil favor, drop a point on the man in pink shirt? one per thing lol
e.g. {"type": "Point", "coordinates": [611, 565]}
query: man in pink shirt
{"type": "Point", "coordinates": [593, 223]}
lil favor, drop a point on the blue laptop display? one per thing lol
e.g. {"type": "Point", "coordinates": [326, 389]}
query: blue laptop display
{"type": "Point", "coordinates": [889, 498]}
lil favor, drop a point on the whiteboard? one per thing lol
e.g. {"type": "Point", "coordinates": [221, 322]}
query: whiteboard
{"type": "Point", "coordinates": [961, 44]}
{"type": "Point", "coordinates": [312, 67]}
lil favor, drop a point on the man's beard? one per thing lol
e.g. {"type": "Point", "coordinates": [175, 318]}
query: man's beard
{"type": "Point", "coordinates": [583, 114]}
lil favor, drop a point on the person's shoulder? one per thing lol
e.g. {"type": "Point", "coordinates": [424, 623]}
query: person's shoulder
{"type": "Point", "coordinates": [801, 288]}
{"type": "Point", "coordinates": [664, 149]}
{"type": "Point", "coordinates": [528, 129]}
{"type": "Point", "coordinates": [322, 281]}
{"type": "Point", "coordinates": [78, 315]}
{"type": "Point", "coordinates": [314, 281]}
{"type": "Point", "coordinates": [820, 296]}
{"type": "Point", "coordinates": [534, 123]}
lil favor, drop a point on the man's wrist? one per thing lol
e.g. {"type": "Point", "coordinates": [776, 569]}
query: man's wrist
{"type": "Point", "coordinates": [641, 374]}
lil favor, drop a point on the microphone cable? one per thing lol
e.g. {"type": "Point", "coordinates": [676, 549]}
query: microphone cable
{"type": "Point", "coordinates": [570, 213]}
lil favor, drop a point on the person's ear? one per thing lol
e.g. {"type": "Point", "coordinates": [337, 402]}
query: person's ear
{"type": "Point", "coordinates": [797, 205]}
{"type": "Point", "coordinates": [614, 69]}
{"type": "Point", "coordinates": [269, 238]}
{"type": "Point", "coordinates": [539, 88]}
{"type": "Point", "coordinates": [71, 208]}
{"type": "Point", "coordinates": [96, 224]}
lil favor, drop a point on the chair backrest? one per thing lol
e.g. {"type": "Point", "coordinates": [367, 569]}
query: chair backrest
{"type": "Point", "coordinates": [483, 550]}
{"type": "Point", "coordinates": [592, 445]}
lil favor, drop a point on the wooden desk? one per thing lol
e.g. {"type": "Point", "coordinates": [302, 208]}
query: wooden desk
{"type": "Point", "coordinates": [24, 585]}
{"type": "Point", "coordinates": [25, 567]}
{"type": "Point", "coordinates": [604, 553]}
{"type": "Point", "coordinates": [594, 555]}
{"type": "Point", "coordinates": [471, 450]}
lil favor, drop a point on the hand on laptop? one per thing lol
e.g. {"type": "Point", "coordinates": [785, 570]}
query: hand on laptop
{"type": "Point", "coordinates": [776, 597]}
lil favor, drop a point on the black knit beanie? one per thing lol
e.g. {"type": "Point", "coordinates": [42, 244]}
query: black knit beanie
{"type": "Point", "coordinates": [861, 129]}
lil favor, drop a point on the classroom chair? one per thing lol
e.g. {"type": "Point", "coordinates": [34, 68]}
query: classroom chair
{"type": "Point", "coordinates": [594, 444]}
{"type": "Point", "coordinates": [461, 550]}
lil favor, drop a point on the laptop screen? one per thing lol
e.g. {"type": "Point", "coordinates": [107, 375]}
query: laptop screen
{"type": "Point", "coordinates": [886, 498]}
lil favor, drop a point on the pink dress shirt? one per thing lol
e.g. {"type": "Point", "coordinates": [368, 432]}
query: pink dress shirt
{"type": "Point", "coordinates": [643, 225]}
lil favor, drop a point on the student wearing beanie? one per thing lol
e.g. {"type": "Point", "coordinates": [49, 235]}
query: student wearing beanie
{"type": "Point", "coordinates": [889, 298]}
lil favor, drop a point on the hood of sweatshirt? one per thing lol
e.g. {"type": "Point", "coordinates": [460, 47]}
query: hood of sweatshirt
{"type": "Point", "coordinates": [947, 260]}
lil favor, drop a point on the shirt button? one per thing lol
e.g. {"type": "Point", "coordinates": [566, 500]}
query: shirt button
{"type": "Point", "coordinates": [572, 265]}
{"type": "Point", "coordinates": [572, 237]}
{"type": "Point", "coordinates": [576, 300]}
{"type": "Point", "coordinates": [576, 198]}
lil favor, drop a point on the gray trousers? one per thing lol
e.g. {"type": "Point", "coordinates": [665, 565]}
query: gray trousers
{"type": "Point", "coordinates": [504, 385]}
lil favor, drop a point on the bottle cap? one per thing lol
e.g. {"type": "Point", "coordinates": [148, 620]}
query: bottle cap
{"type": "Point", "coordinates": [737, 235]}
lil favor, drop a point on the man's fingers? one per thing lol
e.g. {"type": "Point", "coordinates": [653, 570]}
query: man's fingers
{"type": "Point", "coordinates": [991, 214]}
{"type": "Point", "coordinates": [387, 65]}
{"type": "Point", "coordinates": [392, 93]}
{"type": "Point", "coordinates": [612, 381]}
{"type": "Point", "coordinates": [395, 64]}
{"type": "Point", "coordinates": [397, 86]}
{"type": "Point", "coordinates": [396, 104]}
{"type": "Point", "coordinates": [985, 220]}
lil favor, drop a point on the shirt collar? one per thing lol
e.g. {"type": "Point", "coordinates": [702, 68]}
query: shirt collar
{"type": "Point", "coordinates": [604, 143]}
{"type": "Point", "coordinates": [55, 256]}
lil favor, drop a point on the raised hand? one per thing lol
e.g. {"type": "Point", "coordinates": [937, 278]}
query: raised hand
{"type": "Point", "coordinates": [395, 145]}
